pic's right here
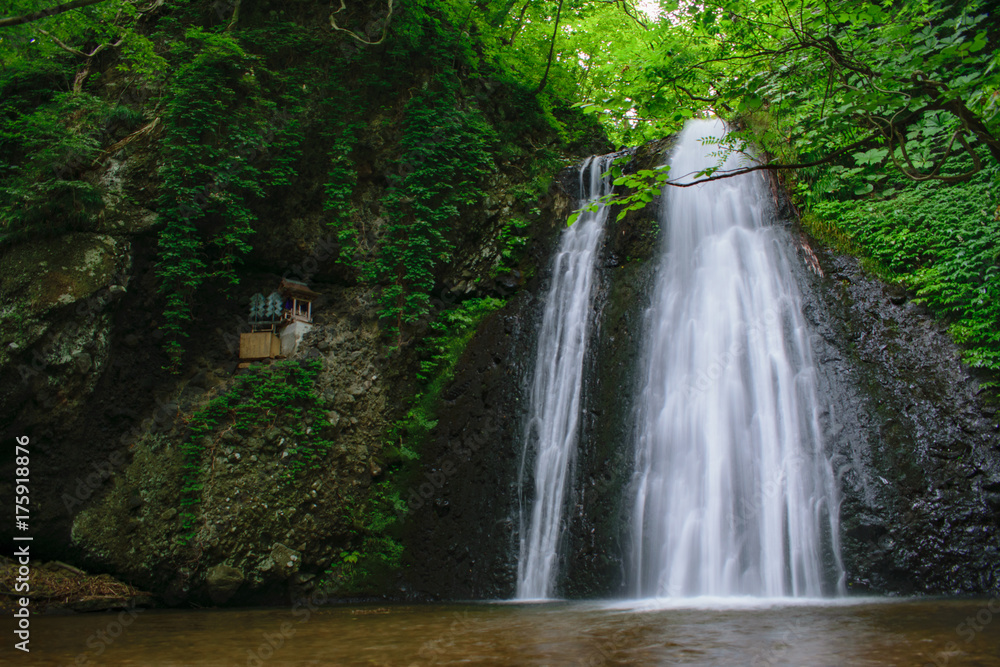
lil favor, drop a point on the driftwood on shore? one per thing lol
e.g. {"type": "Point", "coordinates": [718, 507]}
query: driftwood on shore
{"type": "Point", "coordinates": [57, 585]}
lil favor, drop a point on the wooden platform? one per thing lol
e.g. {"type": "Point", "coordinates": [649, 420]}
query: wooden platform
{"type": "Point", "coordinates": [259, 345]}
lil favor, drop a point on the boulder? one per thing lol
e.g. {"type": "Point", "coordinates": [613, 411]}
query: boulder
{"type": "Point", "coordinates": [286, 560]}
{"type": "Point", "coordinates": [223, 581]}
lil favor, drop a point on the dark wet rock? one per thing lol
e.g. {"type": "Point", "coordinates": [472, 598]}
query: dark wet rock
{"type": "Point", "coordinates": [285, 561]}
{"type": "Point", "coordinates": [910, 435]}
{"type": "Point", "coordinates": [462, 504]}
{"type": "Point", "coordinates": [222, 582]}
{"type": "Point", "coordinates": [199, 380]}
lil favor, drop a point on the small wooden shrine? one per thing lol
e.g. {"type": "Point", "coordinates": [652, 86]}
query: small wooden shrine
{"type": "Point", "coordinates": [298, 300]}
{"type": "Point", "coordinates": [278, 321]}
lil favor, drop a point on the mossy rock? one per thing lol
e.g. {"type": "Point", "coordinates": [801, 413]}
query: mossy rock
{"type": "Point", "coordinates": [44, 275]}
{"type": "Point", "coordinates": [54, 272]}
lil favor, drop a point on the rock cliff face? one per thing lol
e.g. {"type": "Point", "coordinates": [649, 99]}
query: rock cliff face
{"type": "Point", "coordinates": [253, 524]}
{"type": "Point", "coordinates": [83, 378]}
{"type": "Point", "coordinates": [915, 441]}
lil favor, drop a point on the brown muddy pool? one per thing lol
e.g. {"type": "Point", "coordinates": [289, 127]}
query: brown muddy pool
{"type": "Point", "coordinates": [699, 632]}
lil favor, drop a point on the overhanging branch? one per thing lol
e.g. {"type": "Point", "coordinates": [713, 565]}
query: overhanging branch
{"type": "Point", "coordinates": [45, 13]}
{"type": "Point", "coordinates": [77, 52]}
{"type": "Point", "coordinates": [730, 173]}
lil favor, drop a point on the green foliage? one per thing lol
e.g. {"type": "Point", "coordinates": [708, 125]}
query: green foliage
{"type": "Point", "coordinates": [237, 109]}
{"type": "Point", "coordinates": [512, 242]}
{"type": "Point", "coordinates": [907, 85]}
{"type": "Point", "coordinates": [47, 141]}
{"type": "Point", "coordinates": [276, 394]}
{"type": "Point", "coordinates": [943, 241]}
{"type": "Point", "coordinates": [139, 56]}
{"type": "Point", "coordinates": [83, 29]}
{"type": "Point", "coordinates": [599, 50]}
{"type": "Point", "coordinates": [447, 154]}
{"type": "Point", "coordinates": [640, 188]}
{"type": "Point", "coordinates": [451, 143]}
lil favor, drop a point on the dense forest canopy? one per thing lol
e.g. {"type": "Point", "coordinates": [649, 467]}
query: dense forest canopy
{"type": "Point", "coordinates": [883, 117]}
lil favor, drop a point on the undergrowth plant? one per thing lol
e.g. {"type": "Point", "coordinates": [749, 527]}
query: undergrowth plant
{"type": "Point", "coordinates": [374, 550]}
{"type": "Point", "coordinates": [940, 240]}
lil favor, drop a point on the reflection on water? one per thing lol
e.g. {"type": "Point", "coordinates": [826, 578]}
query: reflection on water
{"type": "Point", "coordinates": [903, 632]}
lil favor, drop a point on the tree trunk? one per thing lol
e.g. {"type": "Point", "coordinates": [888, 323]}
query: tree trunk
{"type": "Point", "coordinates": [552, 50]}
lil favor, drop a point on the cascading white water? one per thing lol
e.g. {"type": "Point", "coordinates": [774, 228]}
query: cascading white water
{"type": "Point", "coordinates": [554, 409]}
{"type": "Point", "coordinates": [733, 493]}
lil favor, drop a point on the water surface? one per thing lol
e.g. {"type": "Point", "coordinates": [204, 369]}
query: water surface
{"type": "Point", "coordinates": [645, 632]}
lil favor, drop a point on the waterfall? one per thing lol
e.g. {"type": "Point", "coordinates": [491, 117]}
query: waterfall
{"type": "Point", "coordinates": [554, 409]}
{"type": "Point", "coordinates": [733, 492]}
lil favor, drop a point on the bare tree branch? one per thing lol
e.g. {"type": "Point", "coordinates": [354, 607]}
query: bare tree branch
{"type": "Point", "coordinates": [77, 52]}
{"type": "Point", "coordinates": [385, 28]}
{"type": "Point", "coordinates": [117, 146]}
{"type": "Point", "coordinates": [934, 175]}
{"type": "Point", "coordinates": [771, 166]}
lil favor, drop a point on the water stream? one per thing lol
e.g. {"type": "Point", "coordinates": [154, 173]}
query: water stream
{"type": "Point", "coordinates": [732, 492]}
{"type": "Point", "coordinates": [554, 410]}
